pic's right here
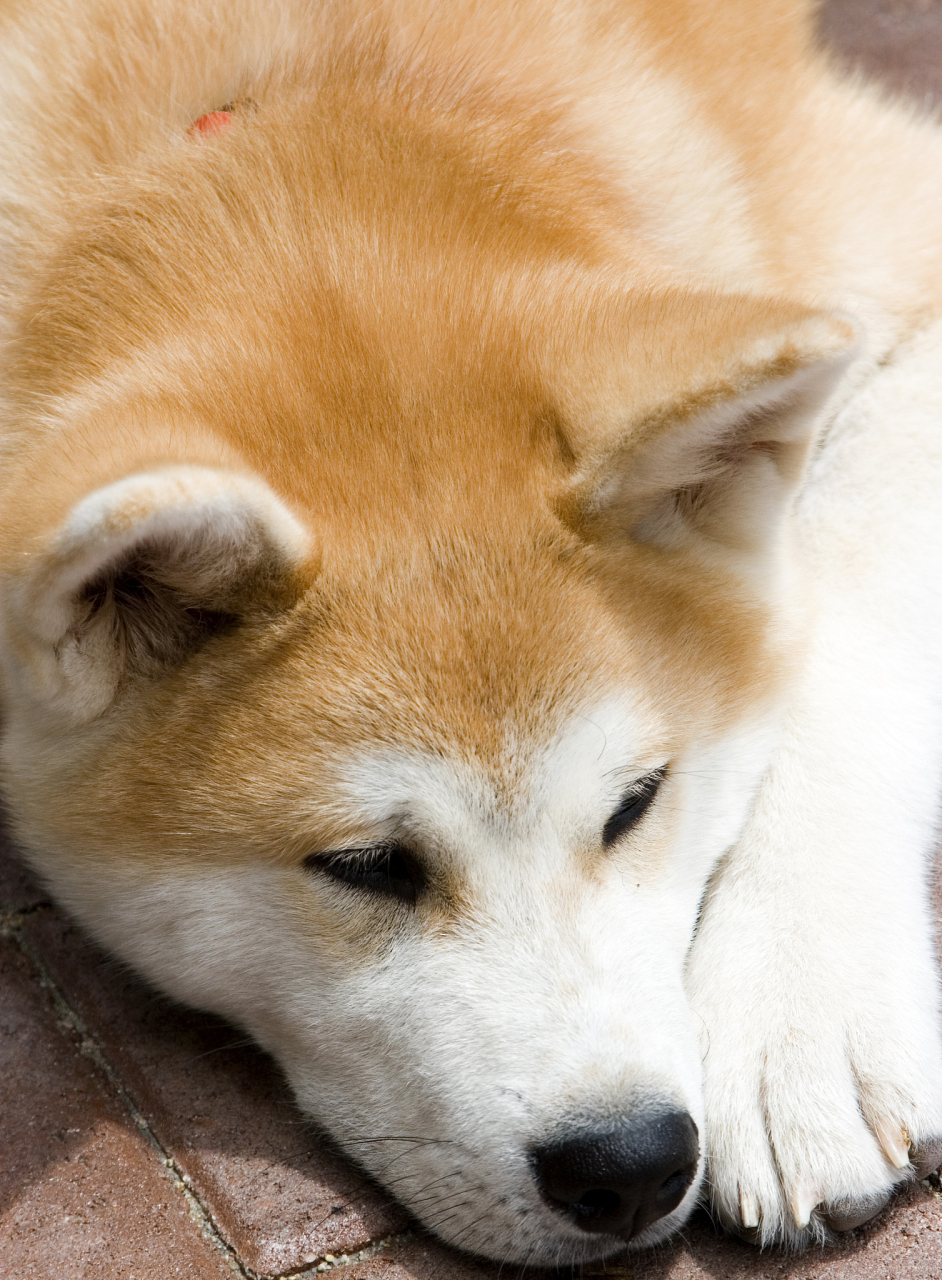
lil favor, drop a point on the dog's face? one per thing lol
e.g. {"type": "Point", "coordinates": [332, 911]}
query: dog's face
{"type": "Point", "coordinates": [400, 712]}
{"type": "Point", "coordinates": [436, 840]}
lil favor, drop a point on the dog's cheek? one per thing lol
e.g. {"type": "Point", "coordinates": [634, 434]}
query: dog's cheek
{"type": "Point", "coordinates": [215, 937]}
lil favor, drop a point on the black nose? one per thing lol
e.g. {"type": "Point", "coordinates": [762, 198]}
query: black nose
{"type": "Point", "coordinates": [620, 1178]}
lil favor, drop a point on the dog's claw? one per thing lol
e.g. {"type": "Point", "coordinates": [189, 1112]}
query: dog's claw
{"type": "Point", "coordinates": [894, 1142]}
{"type": "Point", "coordinates": [748, 1210]}
{"type": "Point", "coordinates": [803, 1202]}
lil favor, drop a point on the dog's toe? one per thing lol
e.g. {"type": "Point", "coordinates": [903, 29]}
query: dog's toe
{"type": "Point", "coordinates": [844, 1215]}
{"type": "Point", "coordinates": [927, 1157]}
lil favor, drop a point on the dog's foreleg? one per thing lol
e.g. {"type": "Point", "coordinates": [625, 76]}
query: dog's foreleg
{"type": "Point", "coordinates": [813, 969]}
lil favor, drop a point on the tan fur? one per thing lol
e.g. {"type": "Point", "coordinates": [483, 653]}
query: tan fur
{"type": "Point", "coordinates": [418, 356]}
{"type": "Point", "coordinates": [287, 311]}
{"type": "Point", "coordinates": [522, 315]}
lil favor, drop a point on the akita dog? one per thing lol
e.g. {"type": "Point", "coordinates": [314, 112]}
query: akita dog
{"type": "Point", "coordinates": [471, 597]}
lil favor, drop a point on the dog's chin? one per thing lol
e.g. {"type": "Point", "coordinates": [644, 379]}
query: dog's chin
{"type": "Point", "coordinates": [556, 1243]}
{"type": "Point", "coordinates": [555, 1249]}
{"type": "Point", "coordinates": [536, 1247]}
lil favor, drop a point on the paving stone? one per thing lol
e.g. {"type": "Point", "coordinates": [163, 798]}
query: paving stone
{"type": "Point", "coordinates": [19, 888]}
{"type": "Point", "coordinates": [898, 41]}
{"type": "Point", "coordinates": [82, 1195]}
{"type": "Point", "coordinates": [279, 1195]}
{"type": "Point", "coordinates": [425, 1259]}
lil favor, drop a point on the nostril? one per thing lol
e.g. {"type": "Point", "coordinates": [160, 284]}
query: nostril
{"type": "Point", "coordinates": [620, 1178]}
{"type": "Point", "coordinates": [600, 1203]}
{"type": "Point", "coordinates": [673, 1189]}
{"type": "Point", "coordinates": [594, 1203]}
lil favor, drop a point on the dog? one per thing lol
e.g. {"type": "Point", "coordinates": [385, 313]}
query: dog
{"type": "Point", "coordinates": [470, 583]}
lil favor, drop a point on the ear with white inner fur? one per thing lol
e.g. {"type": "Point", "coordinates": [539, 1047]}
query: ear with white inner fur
{"type": "Point", "coordinates": [140, 574]}
{"type": "Point", "coordinates": [714, 466]}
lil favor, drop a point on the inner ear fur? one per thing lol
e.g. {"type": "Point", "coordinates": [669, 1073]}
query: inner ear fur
{"type": "Point", "coordinates": [143, 573]}
{"type": "Point", "coordinates": [698, 436]}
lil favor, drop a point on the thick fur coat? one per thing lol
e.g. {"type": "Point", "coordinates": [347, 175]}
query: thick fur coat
{"type": "Point", "coordinates": [470, 582]}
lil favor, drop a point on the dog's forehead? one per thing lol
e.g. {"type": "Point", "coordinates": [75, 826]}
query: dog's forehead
{"type": "Point", "coordinates": [488, 648]}
{"type": "Point", "coordinates": [457, 650]}
{"type": "Point", "coordinates": [535, 785]}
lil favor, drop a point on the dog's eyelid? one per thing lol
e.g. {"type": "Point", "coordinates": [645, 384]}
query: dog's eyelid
{"type": "Point", "coordinates": [634, 804]}
{"type": "Point", "coordinates": [388, 870]}
{"type": "Point", "coordinates": [355, 853]}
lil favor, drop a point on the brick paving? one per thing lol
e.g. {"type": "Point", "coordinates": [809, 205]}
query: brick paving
{"type": "Point", "coordinates": [142, 1141]}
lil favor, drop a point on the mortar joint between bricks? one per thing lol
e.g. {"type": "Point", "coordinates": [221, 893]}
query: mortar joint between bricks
{"type": "Point", "coordinates": [89, 1047]}
{"type": "Point", "coordinates": [10, 923]}
{"type": "Point", "coordinates": [12, 920]}
{"type": "Point", "coordinates": [333, 1262]}
{"type": "Point", "coordinates": [13, 917]}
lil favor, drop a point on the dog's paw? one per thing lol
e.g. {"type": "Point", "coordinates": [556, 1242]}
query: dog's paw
{"type": "Point", "coordinates": [817, 1107]}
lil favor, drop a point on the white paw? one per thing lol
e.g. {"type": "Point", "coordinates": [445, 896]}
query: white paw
{"type": "Point", "coordinates": [823, 1092]}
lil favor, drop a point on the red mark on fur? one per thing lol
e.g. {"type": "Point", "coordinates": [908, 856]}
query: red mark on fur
{"type": "Point", "coordinates": [213, 122]}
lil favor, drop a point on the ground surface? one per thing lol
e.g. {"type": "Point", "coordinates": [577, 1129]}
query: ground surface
{"type": "Point", "coordinates": [139, 1141]}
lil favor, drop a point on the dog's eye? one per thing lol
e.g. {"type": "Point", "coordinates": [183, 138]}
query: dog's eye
{"type": "Point", "coordinates": [390, 870]}
{"type": "Point", "coordinates": [634, 805]}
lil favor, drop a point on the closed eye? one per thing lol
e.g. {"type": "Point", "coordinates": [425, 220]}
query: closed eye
{"type": "Point", "coordinates": [389, 870]}
{"type": "Point", "coordinates": [635, 803]}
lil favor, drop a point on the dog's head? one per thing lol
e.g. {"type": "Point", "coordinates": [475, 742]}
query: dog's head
{"type": "Point", "coordinates": [393, 643]}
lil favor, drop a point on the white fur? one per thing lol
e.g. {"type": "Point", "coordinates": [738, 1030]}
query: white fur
{"type": "Point", "coordinates": [813, 969]}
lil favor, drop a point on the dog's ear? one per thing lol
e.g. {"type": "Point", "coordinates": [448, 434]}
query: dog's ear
{"type": "Point", "coordinates": [140, 575]}
{"type": "Point", "coordinates": [698, 439]}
